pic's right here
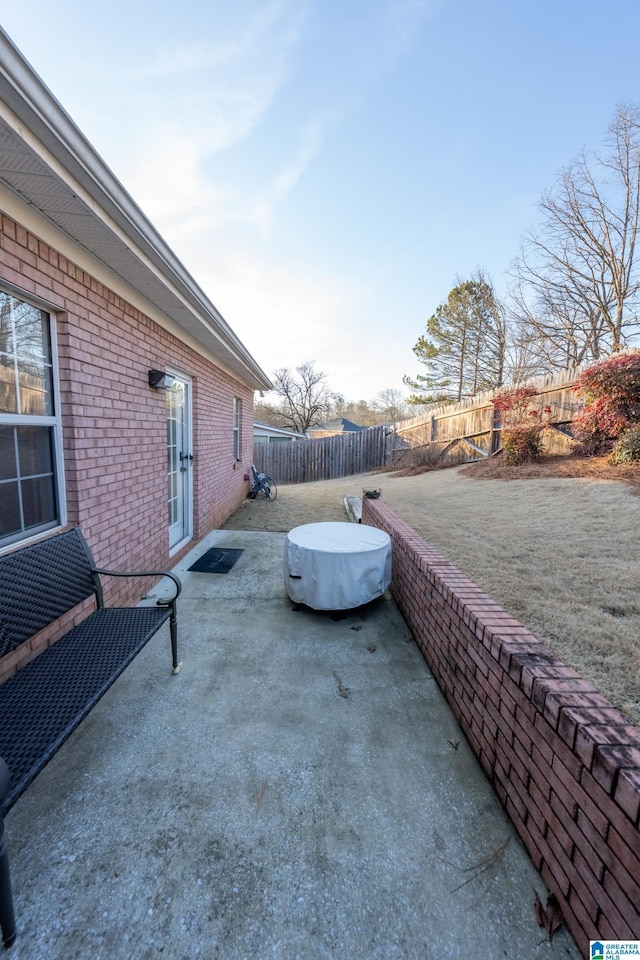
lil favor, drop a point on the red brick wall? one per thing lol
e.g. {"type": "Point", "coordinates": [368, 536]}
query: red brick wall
{"type": "Point", "coordinates": [564, 762]}
{"type": "Point", "coordinates": [114, 424]}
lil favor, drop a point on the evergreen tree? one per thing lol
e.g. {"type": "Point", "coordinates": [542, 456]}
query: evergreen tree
{"type": "Point", "coordinates": [464, 348]}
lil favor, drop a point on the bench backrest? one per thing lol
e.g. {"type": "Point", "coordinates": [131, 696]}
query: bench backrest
{"type": "Point", "coordinates": [41, 582]}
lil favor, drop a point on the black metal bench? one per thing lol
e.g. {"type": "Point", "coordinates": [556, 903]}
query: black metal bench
{"type": "Point", "coordinates": [45, 701]}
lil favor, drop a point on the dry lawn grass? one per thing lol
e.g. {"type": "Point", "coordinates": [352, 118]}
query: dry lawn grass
{"type": "Point", "coordinates": [579, 468]}
{"type": "Point", "coordinates": [557, 548]}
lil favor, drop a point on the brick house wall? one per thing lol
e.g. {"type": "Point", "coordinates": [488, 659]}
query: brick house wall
{"type": "Point", "coordinates": [115, 426]}
{"type": "Point", "coordinates": [563, 761]}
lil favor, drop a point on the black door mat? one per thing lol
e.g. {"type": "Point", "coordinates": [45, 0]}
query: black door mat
{"type": "Point", "coordinates": [216, 560]}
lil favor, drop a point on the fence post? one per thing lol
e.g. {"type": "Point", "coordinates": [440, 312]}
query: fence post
{"type": "Point", "coordinates": [496, 432]}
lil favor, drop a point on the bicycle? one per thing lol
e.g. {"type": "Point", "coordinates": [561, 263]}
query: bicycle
{"type": "Point", "coordinates": [264, 484]}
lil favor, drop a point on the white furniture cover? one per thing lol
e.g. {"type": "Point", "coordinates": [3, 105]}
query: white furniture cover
{"type": "Point", "coordinates": [336, 566]}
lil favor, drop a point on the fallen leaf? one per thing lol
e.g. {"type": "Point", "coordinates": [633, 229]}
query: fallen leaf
{"type": "Point", "coordinates": [490, 863]}
{"type": "Point", "coordinates": [342, 690]}
{"type": "Point", "coordinates": [550, 919]}
{"type": "Point", "coordinates": [261, 796]}
{"type": "Point", "coordinates": [455, 744]}
{"type": "Point", "coordinates": [357, 626]}
{"type": "Point", "coordinates": [371, 649]}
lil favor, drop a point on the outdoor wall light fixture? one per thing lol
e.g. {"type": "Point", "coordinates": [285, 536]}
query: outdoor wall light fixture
{"type": "Point", "coordinates": [160, 380]}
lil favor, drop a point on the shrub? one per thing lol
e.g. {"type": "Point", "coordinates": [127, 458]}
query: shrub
{"type": "Point", "coordinates": [596, 427]}
{"type": "Point", "coordinates": [627, 448]}
{"type": "Point", "coordinates": [521, 444]}
{"type": "Point", "coordinates": [427, 455]}
{"type": "Point", "coordinates": [523, 424]}
{"type": "Point", "coordinates": [611, 391]}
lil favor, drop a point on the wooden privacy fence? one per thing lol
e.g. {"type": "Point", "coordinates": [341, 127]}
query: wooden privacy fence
{"type": "Point", "coordinates": [471, 430]}
{"type": "Point", "coordinates": [327, 458]}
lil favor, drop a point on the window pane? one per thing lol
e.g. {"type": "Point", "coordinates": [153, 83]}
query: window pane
{"type": "Point", "coordinates": [25, 353]}
{"type": "Point", "coordinates": [28, 494]}
{"type": "Point", "coordinates": [9, 509]}
{"type": "Point", "coordinates": [31, 333]}
{"type": "Point", "coordinates": [7, 455]}
{"type": "Point", "coordinates": [6, 324]}
{"type": "Point", "coordinates": [38, 501]}
{"type": "Point", "coordinates": [8, 394]}
{"type": "Point", "coordinates": [34, 451]}
{"type": "Point", "coordinates": [35, 390]}
{"type": "Point", "coordinates": [28, 482]}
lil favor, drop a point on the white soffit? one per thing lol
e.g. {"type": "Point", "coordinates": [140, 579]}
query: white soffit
{"type": "Point", "coordinates": [51, 167]}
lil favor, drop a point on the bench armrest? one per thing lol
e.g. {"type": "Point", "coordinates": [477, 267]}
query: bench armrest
{"type": "Point", "coordinates": [146, 573]}
{"type": "Point", "coordinates": [170, 602]}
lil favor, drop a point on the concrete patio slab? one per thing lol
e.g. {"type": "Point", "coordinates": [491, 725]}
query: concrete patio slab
{"type": "Point", "coordinates": [299, 790]}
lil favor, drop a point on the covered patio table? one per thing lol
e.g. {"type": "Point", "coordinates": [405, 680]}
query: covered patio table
{"type": "Point", "coordinates": [336, 566]}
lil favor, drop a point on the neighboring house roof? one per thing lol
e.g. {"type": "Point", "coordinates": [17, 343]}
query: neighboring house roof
{"type": "Point", "coordinates": [51, 167]}
{"type": "Point", "coordinates": [263, 429]}
{"type": "Point", "coordinates": [341, 425]}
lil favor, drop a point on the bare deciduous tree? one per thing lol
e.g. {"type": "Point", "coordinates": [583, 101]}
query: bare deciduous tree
{"type": "Point", "coordinates": [550, 331]}
{"type": "Point", "coordinates": [577, 284]}
{"type": "Point", "coordinates": [390, 404]}
{"type": "Point", "coordinates": [305, 397]}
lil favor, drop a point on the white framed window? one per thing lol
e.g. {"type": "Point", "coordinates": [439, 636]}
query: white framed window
{"type": "Point", "coordinates": [30, 430]}
{"type": "Point", "coordinates": [237, 428]}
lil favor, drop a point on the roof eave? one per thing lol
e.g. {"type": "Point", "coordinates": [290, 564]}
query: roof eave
{"type": "Point", "coordinates": [35, 106]}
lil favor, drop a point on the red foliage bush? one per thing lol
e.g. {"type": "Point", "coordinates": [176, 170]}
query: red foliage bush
{"type": "Point", "coordinates": [514, 403]}
{"type": "Point", "coordinates": [523, 423]}
{"type": "Point", "coordinates": [611, 391]}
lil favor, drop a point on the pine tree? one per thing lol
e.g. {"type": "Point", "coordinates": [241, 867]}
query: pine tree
{"type": "Point", "coordinates": [464, 347]}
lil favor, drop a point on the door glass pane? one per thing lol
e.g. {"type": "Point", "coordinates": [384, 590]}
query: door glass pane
{"type": "Point", "coordinates": [178, 473]}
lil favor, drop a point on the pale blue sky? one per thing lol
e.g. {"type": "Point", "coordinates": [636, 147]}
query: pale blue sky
{"type": "Point", "coordinates": [326, 169]}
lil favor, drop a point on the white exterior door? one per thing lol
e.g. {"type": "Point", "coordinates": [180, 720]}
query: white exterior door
{"type": "Point", "coordinates": [179, 461]}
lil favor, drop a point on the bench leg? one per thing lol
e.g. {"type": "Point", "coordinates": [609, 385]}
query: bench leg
{"type": "Point", "coordinates": [173, 626]}
{"type": "Point", "coordinates": [7, 918]}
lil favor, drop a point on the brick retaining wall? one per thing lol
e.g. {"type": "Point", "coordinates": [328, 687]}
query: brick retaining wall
{"type": "Point", "coordinates": [563, 761]}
